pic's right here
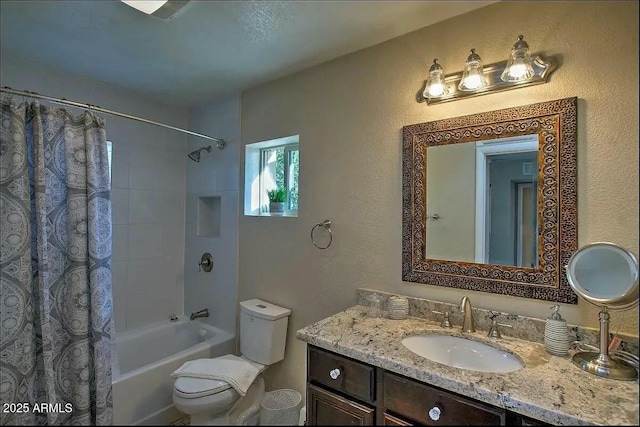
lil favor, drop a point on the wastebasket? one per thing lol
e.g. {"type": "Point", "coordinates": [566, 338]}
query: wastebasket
{"type": "Point", "coordinates": [280, 408]}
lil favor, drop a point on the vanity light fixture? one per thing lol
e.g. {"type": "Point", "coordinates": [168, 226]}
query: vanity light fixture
{"type": "Point", "coordinates": [435, 86]}
{"type": "Point", "coordinates": [472, 77]}
{"type": "Point", "coordinates": [520, 70]}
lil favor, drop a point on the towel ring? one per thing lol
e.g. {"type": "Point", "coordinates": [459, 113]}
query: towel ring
{"type": "Point", "coordinates": [327, 225]}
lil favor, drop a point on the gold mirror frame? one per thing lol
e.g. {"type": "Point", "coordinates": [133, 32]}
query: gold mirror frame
{"type": "Point", "coordinates": [555, 123]}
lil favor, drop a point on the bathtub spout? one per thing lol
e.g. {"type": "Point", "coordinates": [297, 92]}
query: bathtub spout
{"type": "Point", "coordinates": [202, 313]}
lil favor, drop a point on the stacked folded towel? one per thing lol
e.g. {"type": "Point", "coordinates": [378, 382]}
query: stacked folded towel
{"type": "Point", "coordinates": [233, 370]}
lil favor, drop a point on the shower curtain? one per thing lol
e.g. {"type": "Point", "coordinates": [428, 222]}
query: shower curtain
{"type": "Point", "coordinates": [56, 325]}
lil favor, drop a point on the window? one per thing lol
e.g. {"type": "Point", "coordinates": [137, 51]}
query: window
{"type": "Point", "coordinates": [279, 169]}
{"type": "Point", "coordinates": [271, 165]}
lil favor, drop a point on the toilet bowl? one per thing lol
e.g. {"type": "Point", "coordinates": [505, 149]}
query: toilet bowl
{"type": "Point", "coordinates": [263, 328]}
{"type": "Point", "coordinates": [211, 402]}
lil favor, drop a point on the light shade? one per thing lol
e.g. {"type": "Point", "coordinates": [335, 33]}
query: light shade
{"type": "Point", "coordinates": [146, 6]}
{"type": "Point", "coordinates": [519, 68]}
{"type": "Point", "coordinates": [473, 76]}
{"type": "Point", "coordinates": [435, 86]}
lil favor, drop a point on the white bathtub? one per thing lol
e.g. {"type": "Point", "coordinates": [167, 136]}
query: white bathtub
{"type": "Point", "coordinates": [146, 357]}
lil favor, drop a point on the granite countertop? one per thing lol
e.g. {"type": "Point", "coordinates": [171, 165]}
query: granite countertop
{"type": "Point", "coordinates": [548, 388]}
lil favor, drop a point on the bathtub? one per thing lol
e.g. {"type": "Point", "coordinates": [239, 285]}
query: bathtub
{"type": "Point", "coordinates": [146, 357]}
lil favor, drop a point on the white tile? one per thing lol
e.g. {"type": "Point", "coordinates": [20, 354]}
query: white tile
{"type": "Point", "coordinates": [119, 166]}
{"type": "Point", "coordinates": [119, 289]}
{"type": "Point", "coordinates": [144, 206]}
{"type": "Point", "coordinates": [228, 171]}
{"type": "Point", "coordinates": [145, 241]}
{"type": "Point", "coordinates": [120, 205]}
{"type": "Point", "coordinates": [174, 268]}
{"type": "Point", "coordinates": [173, 241]}
{"type": "Point", "coordinates": [120, 248]}
{"type": "Point", "coordinates": [153, 171]}
{"type": "Point", "coordinates": [143, 172]}
{"type": "Point", "coordinates": [230, 209]}
{"type": "Point", "coordinates": [173, 208]}
{"type": "Point", "coordinates": [201, 177]}
{"type": "Point", "coordinates": [152, 305]}
{"type": "Point", "coordinates": [190, 208]}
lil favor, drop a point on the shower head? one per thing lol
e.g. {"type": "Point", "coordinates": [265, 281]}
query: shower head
{"type": "Point", "coordinates": [195, 155]}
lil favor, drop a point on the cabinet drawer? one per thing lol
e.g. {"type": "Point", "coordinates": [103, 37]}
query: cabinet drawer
{"type": "Point", "coordinates": [414, 400]}
{"type": "Point", "coordinates": [339, 373]}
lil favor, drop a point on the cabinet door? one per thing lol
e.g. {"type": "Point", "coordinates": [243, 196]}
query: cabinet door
{"type": "Point", "coordinates": [327, 409]}
{"type": "Point", "coordinates": [390, 420]}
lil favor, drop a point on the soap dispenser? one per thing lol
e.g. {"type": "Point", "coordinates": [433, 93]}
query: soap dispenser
{"type": "Point", "coordinates": [556, 333]}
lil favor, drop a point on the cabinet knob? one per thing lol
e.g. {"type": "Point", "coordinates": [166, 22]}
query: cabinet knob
{"type": "Point", "coordinates": [434, 413]}
{"type": "Point", "coordinates": [334, 373]}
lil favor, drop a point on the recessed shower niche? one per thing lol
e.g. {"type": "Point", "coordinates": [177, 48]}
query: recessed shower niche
{"type": "Point", "coordinates": [208, 216]}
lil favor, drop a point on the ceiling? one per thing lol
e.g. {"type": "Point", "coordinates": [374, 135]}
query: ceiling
{"type": "Point", "coordinates": [210, 47]}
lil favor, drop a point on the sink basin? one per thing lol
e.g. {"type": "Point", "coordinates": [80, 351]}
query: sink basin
{"type": "Point", "coordinates": [462, 353]}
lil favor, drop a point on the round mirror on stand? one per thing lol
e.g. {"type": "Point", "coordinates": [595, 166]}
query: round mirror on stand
{"type": "Point", "coordinates": [605, 275]}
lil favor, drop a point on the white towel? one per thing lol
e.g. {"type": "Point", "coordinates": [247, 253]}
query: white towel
{"type": "Point", "coordinates": [233, 370]}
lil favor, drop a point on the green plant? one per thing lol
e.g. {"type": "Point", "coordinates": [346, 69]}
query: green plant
{"type": "Point", "coordinates": [277, 195]}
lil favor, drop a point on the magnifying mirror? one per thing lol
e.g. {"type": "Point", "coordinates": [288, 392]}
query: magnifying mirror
{"type": "Point", "coordinates": [605, 275]}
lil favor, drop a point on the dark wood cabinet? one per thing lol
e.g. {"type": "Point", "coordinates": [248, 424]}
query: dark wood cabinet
{"type": "Point", "coordinates": [342, 374]}
{"type": "Point", "coordinates": [428, 405]}
{"type": "Point", "coordinates": [340, 390]}
{"type": "Point", "coordinates": [390, 420]}
{"type": "Point", "coordinates": [344, 391]}
{"type": "Point", "coordinates": [329, 409]}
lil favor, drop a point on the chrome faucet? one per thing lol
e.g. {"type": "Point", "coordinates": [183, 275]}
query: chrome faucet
{"type": "Point", "coordinates": [202, 313]}
{"type": "Point", "coordinates": [468, 325]}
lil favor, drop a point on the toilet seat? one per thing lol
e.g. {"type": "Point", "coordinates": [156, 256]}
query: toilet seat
{"type": "Point", "coordinates": [192, 388]}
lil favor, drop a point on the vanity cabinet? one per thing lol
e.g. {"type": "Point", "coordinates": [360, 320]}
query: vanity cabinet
{"type": "Point", "coordinates": [344, 391]}
{"type": "Point", "coordinates": [428, 405]}
{"type": "Point", "coordinates": [340, 391]}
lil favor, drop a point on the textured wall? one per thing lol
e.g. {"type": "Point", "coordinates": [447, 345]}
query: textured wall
{"type": "Point", "coordinates": [349, 113]}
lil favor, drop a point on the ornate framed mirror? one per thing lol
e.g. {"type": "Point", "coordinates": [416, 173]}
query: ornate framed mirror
{"type": "Point", "coordinates": [489, 201]}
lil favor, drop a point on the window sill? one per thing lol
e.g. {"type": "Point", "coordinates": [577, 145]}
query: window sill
{"type": "Point", "coordinates": [285, 214]}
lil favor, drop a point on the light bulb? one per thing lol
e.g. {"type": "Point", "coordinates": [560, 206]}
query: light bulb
{"type": "Point", "coordinates": [473, 81]}
{"type": "Point", "coordinates": [519, 68]}
{"type": "Point", "coordinates": [472, 76]}
{"type": "Point", "coordinates": [435, 87]}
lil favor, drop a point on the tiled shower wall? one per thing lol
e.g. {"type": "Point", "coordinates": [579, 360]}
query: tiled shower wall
{"type": "Point", "coordinates": [148, 180]}
{"type": "Point", "coordinates": [215, 177]}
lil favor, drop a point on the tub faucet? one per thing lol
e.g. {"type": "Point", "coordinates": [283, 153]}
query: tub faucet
{"type": "Point", "coordinates": [201, 313]}
{"type": "Point", "coordinates": [468, 325]}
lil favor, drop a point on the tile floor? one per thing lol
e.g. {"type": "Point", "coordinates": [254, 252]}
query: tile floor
{"type": "Point", "coordinates": [182, 421]}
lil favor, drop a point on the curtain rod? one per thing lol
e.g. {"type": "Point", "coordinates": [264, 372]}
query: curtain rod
{"type": "Point", "coordinates": [219, 142]}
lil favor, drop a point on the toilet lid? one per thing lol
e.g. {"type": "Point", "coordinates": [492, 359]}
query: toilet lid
{"type": "Point", "coordinates": [191, 388]}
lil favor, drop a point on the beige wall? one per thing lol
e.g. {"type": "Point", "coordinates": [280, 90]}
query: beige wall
{"type": "Point", "coordinates": [349, 113]}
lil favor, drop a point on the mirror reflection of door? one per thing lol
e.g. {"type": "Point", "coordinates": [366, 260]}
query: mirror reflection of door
{"type": "Point", "coordinates": [526, 225]}
{"type": "Point", "coordinates": [511, 218]}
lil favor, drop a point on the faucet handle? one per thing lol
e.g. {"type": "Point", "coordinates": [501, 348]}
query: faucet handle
{"type": "Point", "coordinates": [494, 330]}
{"type": "Point", "coordinates": [446, 323]}
{"type": "Point", "coordinates": [492, 315]}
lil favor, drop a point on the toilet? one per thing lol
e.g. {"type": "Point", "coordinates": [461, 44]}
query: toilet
{"type": "Point", "coordinates": [263, 333]}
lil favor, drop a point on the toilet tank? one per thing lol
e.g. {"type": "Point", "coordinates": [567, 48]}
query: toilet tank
{"type": "Point", "coordinates": [263, 331]}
